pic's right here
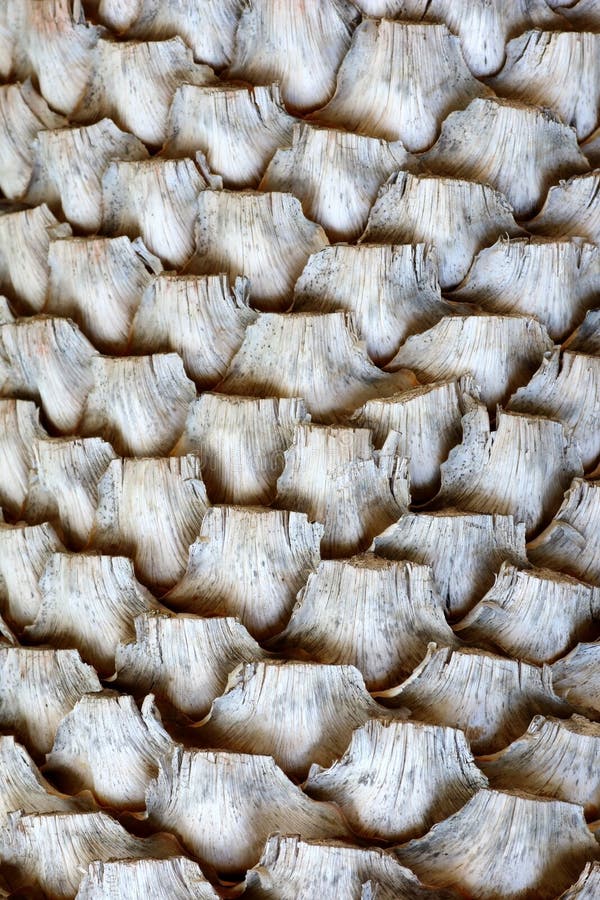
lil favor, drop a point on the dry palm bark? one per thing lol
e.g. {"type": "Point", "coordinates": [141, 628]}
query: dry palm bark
{"type": "Point", "coordinates": [299, 449]}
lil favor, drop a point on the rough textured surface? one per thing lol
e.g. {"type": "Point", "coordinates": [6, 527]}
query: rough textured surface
{"type": "Point", "coordinates": [299, 339]}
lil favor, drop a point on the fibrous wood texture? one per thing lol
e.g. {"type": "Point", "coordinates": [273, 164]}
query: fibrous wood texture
{"type": "Point", "coordinates": [299, 449]}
